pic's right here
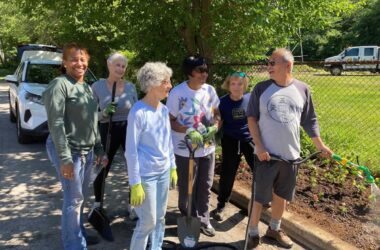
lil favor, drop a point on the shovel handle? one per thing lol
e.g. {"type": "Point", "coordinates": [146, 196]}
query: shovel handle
{"type": "Point", "coordinates": [190, 186]}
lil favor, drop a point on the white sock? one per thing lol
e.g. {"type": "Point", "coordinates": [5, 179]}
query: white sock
{"type": "Point", "coordinates": [275, 224]}
{"type": "Point", "coordinates": [253, 231]}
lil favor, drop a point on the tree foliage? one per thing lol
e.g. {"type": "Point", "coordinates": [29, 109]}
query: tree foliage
{"type": "Point", "coordinates": [167, 30]}
{"type": "Point", "coordinates": [365, 29]}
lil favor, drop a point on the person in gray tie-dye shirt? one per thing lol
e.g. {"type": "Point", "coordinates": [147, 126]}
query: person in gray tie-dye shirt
{"type": "Point", "coordinates": [277, 109]}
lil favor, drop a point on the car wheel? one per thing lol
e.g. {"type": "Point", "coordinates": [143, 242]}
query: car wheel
{"type": "Point", "coordinates": [22, 138]}
{"type": "Point", "coordinates": [336, 71]}
{"type": "Point", "coordinates": [12, 116]}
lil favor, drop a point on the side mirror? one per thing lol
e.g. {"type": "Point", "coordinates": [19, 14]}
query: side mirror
{"type": "Point", "coordinates": [11, 78]}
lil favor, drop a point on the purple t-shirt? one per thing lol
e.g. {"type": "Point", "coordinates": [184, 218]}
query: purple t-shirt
{"type": "Point", "coordinates": [280, 112]}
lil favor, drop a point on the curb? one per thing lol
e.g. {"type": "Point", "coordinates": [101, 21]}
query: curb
{"type": "Point", "coordinates": [302, 230]}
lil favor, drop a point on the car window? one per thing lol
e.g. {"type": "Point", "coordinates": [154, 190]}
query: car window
{"type": "Point", "coordinates": [19, 72]}
{"type": "Point", "coordinates": [89, 77]}
{"type": "Point", "coordinates": [42, 73]}
{"type": "Point", "coordinates": [368, 51]}
{"type": "Point", "coordinates": [353, 52]}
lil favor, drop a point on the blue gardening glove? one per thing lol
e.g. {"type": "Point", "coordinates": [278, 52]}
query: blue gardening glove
{"type": "Point", "coordinates": [195, 136]}
{"type": "Point", "coordinates": [137, 195]}
{"type": "Point", "coordinates": [110, 109]}
{"type": "Point", "coordinates": [173, 177]}
{"type": "Point", "coordinates": [211, 131]}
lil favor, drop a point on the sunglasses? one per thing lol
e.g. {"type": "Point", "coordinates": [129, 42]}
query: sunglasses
{"type": "Point", "coordinates": [238, 74]}
{"type": "Point", "coordinates": [202, 69]}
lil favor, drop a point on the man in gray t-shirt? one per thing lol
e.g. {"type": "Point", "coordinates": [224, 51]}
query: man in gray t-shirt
{"type": "Point", "coordinates": [277, 109]}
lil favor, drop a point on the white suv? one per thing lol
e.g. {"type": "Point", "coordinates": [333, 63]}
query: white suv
{"type": "Point", "coordinates": [37, 68]}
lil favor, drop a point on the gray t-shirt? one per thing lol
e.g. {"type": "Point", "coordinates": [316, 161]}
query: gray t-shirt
{"type": "Point", "coordinates": [280, 112]}
{"type": "Point", "coordinates": [124, 101]}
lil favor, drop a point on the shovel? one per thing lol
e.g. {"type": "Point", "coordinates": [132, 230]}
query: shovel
{"type": "Point", "coordinates": [188, 226]}
{"type": "Point", "coordinates": [97, 217]}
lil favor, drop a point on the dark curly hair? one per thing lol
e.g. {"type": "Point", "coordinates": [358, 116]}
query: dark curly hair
{"type": "Point", "coordinates": [67, 48]}
{"type": "Point", "coordinates": [192, 62]}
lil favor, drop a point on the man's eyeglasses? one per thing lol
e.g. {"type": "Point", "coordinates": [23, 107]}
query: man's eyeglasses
{"type": "Point", "coordinates": [273, 63]}
{"type": "Point", "coordinates": [201, 69]}
{"type": "Point", "coordinates": [238, 74]}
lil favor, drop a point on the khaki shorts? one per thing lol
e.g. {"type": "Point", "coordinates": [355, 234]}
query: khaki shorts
{"type": "Point", "coordinates": [274, 176]}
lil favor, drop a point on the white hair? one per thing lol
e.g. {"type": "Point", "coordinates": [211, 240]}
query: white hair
{"type": "Point", "coordinates": [117, 56]}
{"type": "Point", "coordinates": [286, 55]}
{"type": "Point", "coordinates": [152, 74]}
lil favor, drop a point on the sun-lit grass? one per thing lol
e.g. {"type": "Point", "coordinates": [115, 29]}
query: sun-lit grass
{"type": "Point", "coordinates": [348, 109]}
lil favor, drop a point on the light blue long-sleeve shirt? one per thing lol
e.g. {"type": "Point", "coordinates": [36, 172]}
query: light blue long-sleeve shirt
{"type": "Point", "coordinates": [149, 148]}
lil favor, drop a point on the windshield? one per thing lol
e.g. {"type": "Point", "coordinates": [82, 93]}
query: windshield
{"type": "Point", "coordinates": [42, 73]}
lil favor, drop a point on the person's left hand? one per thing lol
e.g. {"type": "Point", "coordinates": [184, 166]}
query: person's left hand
{"type": "Point", "coordinates": [102, 159]}
{"type": "Point", "coordinates": [326, 151]}
{"type": "Point", "coordinates": [173, 177]}
{"type": "Point", "coordinates": [211, 131]}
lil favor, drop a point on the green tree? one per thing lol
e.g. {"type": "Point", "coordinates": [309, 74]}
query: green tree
{"type": "Point", "coordinates": [12, 30]}
{"type": "Point", "coordinates": [365, 29]}
{"type": "Point", "coordinates": [167, 30]}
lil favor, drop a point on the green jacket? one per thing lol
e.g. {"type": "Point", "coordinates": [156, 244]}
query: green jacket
{"type": "Point", "coordinates": [72, 117]}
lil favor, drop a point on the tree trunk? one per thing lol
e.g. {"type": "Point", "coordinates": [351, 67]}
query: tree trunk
{"type": "Point", "coordinates": [196, 30]}
{"type": "Point", "coordinates": [203, 40]}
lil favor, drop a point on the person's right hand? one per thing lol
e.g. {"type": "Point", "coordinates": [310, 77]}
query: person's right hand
{"type": "Point", "coordinates": [110, 109]}
{"type": "Point", "coordinates": [262, 154]}
{"type": "Point", "coordinates": [137, 195]}
{"type": "Point", "coordinates": [67, 171]}
{"type": "Point", "coordinates": [195, 136]}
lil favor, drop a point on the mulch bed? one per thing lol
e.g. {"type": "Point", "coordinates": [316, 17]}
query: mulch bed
{"type": "Point", "coordinates": [335, 199]}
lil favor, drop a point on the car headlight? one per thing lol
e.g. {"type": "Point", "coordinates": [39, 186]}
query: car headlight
{"type": "Point", "coordinates": [34, 98]}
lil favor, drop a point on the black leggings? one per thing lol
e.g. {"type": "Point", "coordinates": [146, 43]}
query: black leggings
{"type": "Point", "coordinates": [232, 151]}
{"type": "Point", "coordinates": [118, 134]}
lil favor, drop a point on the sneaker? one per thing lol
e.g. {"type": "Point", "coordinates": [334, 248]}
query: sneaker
{"type": "Point", "coordinates": [218, 214]}
{"type": "Point", "coordinates": [208, 230]}
{"type": "Point", "coordinates": [280, 237]}
{"type": "Point", "coordinates": [253, 242]}
{"type": "Point", "coordinates": [92, 240]}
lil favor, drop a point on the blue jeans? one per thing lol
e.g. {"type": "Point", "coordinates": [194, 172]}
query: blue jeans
{"type": "Point", "coordinates": [74, 193]}
{"type": "Point", "coordinates": [151, 213]}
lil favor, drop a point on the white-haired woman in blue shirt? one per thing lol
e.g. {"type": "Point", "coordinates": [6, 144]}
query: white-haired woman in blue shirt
{"type": "Point", "coordinates": [150, 156]}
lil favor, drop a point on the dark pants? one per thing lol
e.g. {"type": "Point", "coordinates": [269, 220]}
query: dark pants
{"type": "Point", "coordinates": [202, 183]}
{"type": "Point", "coordinates": [118, 134]}
{"type": "Point", "coordinates": [232, 150]}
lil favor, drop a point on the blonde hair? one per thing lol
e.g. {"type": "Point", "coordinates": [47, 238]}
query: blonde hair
{"type": "Point", "coordinates": [226, 83]}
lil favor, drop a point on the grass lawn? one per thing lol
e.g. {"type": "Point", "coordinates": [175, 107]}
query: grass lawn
{"type": "Point", "coordinates": [348, 109]}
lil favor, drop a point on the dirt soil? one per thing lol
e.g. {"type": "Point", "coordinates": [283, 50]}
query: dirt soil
{"type": "Point", "coordinates": [340, 203]}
